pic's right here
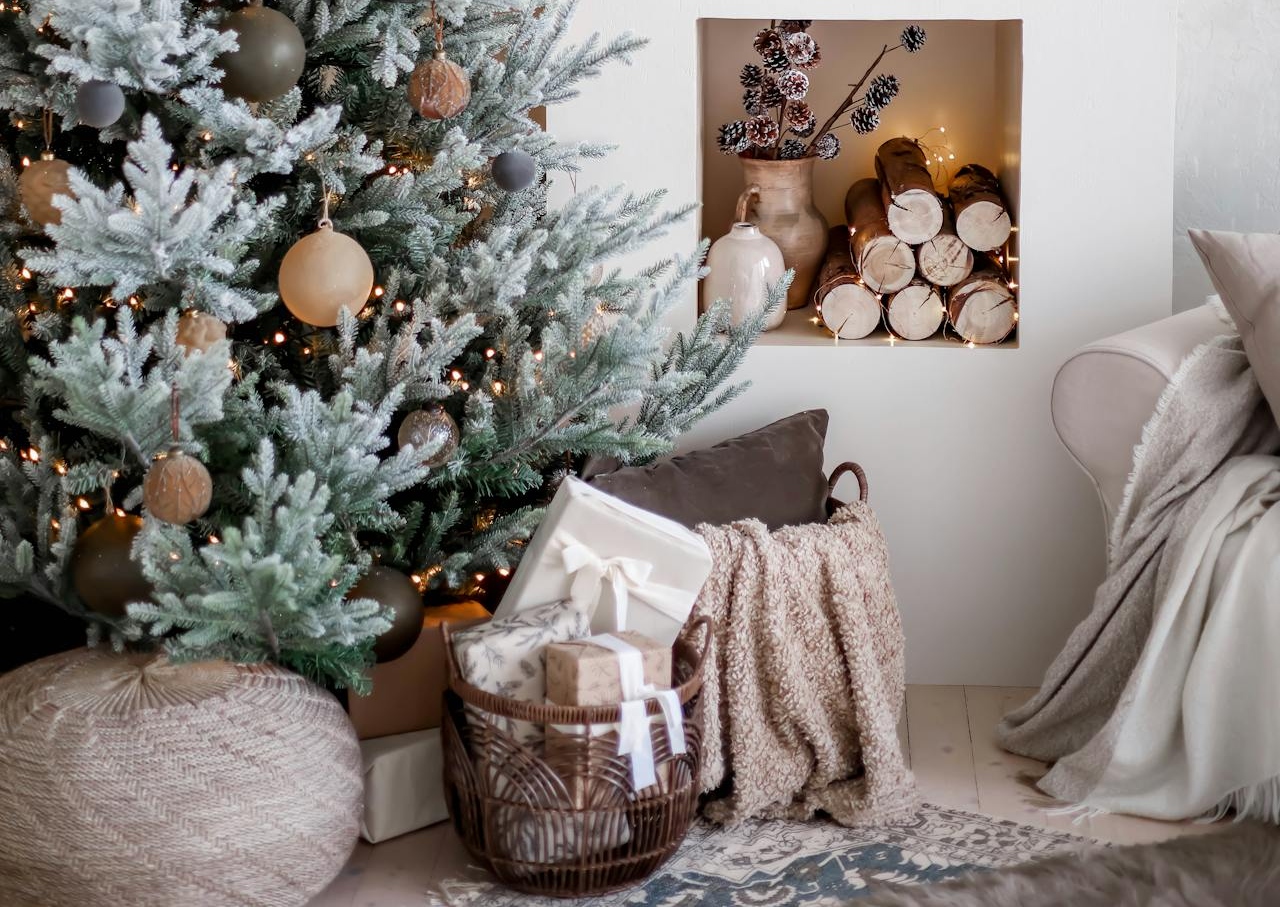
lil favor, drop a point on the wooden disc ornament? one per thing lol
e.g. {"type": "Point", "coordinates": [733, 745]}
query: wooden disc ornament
{"type": "Point", "coordinates": [178, 487]}
{"type": "Point", "coordinates": [439, 89]}
{"type": "Point", "coordinates": [103, 573]}
{"type": "Point", "coordinates": [40, 183]}
{"type": "Point", "coordinates": [269, 57]}
{"type": "Point", "coordinates": [99, 104]}
{"type": "Point", "coordinates": [198, 331]}
{"type": "Point", "coordinates": [395, 591]}
{"type": "Point", "coordinates": [432, 430]}
{"type": "Point", "coordinates": [324, 273]}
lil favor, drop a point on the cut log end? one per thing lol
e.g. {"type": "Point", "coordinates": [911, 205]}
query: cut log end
{"type": "Point", "coordinates": [983, 310]}
{"type": "Point", "coordinates": [945, 260]}
{"type": "Point", "coordinates": [850, 311]}
{"type": "Point", "coordinates": [915, 216]}
{"type": "Point", "coordinates": [984, 225]}
{"type": "Point", "coordinates": [916, 312]}
{"type": "Point", "coordinates": [886, 264]}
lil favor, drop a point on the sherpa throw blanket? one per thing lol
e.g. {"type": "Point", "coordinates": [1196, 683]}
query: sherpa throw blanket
{"type": "Point", "coordinates": [1163, 702]}
{"type": "Point", "coordinates": [804, 681]}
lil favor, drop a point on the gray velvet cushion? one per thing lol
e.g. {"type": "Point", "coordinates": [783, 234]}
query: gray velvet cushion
{"type": "Point", "coordinates": [773, 474]}
{"type": "Point", "coordinates": [1245, 270]}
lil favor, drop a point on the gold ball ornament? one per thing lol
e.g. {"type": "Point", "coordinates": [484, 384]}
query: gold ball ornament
{"type": "Point", "coordinates": [103, 573]}
{"type": "Point", "coordinates": [198, 331]}
{"type": "Point", "coordinates": [40, 181]}
{"type": "Point", "coordinates": [324, 273]}
{"type": "Point", "coordinates": [439, 89]}
{"type": "Point", "coordinates": [432, 430]}
{"type": "Point", "coordinates": [178, 488]}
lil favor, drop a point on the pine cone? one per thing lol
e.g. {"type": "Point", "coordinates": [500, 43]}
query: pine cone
{"type": "Point", "coordinates": [752, 76]}
{"type": "Point", "coordinates": [800, 47]}
{"type": "Point", "coordinates": [792, 150]}
{"type": "Point", "coordinates": [770, 94]}
{"type": "Point", "coordinates": [913, 38]}
{"type": "Point", "coordinates": [793, 84]}
{"type": "Point", "coordinates": [762, 131]}
{"type": "Point", "coordinates": [791, 26]}
{"type": "Point", "coordinates": [767, 40]}
{"type": "Point", "coordinates": [733, 138]}
{"type": "Point", "coordinates": [865, 120]}
{"type": "Point", "coordinates": [801, 119]}
{"type": "Point", "coordinates": [813, 61]}
{"type": "Point", "coordinates": [777, 60]}
{"type": "Point", "coordinates": [751, 102]}
{"type": "Point", "coordinates": [827, 147]}
{"type": "Point", "coordinates": [883, 89]}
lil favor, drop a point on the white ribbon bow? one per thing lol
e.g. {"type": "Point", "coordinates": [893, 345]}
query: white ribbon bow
{"type": "Point", "coordinates": [634, 737]}
{"type": "Point", "coordinates": [627, 576]}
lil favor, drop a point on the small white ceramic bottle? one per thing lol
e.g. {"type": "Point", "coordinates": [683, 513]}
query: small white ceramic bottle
{"type": "Point", "coordinates": [744, 265]}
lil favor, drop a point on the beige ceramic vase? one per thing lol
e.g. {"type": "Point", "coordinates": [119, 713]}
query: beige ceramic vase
{"type": "Point", "coordinates": [785, 213]}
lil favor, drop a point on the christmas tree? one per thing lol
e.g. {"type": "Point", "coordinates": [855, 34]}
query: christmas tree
{"type": "Point", "coordinates": [285, 300]}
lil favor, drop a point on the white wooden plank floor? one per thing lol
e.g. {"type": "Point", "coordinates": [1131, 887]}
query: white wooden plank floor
{"type": "Point", "coordinates": [949, 736]}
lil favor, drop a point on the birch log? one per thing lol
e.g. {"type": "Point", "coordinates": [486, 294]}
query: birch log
{"type": "Point", "coordinates": [982, 217]}
{"type": "Point", "coordinates": [912, 207]}
{"type": "Point", "coordinates": [846, 306]}
{"type": "Point", "coordinates": [916, 311]}
{"type": "Point", "coordinates": [982, 308]}
{"type": "Point", "coordinates": [885, 262]}
{"type": "Point", "coordinates": [945, 260]}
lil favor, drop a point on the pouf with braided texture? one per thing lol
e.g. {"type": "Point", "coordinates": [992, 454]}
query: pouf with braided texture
{"type": "Point", "coordinates": [128, 780]}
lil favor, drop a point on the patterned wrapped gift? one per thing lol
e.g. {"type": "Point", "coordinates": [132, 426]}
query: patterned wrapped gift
{"type": "Point", "coordinates": [632, 570]}
{"type": "Point", "coordinates": [624, 669]}
{"type": "Point", "coordinates": [507, 656]}
{"type": "Point", "coordinates": [403, 784]}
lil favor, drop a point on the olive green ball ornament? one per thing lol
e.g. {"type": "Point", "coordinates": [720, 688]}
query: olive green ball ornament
{"type": "Point", "coordinates": [324, 273]}
{"type": "Point", "coordinates": [40, 181]}
{"type": "Point", "coordinates": [269, 58]}
{"type": "Point", "coordinates": [105, 577]}
{"type": "Point", "coordinates": [393, 590]}
{"type": "Point", "coordinates": [431, 430]}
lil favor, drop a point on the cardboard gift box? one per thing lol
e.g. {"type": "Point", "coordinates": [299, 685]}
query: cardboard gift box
{"type": "Point", "coordinates": [632, 569]}
{"type": "Point", "coordinates": [408, 692]}
{"type": "Point", "coordinates": [403, 784]}
{"type": "Point", "coordinates": [614, 669]}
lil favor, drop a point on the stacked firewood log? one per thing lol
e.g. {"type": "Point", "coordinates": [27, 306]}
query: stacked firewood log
{"type": "Point", "coordinates": [917, 260]}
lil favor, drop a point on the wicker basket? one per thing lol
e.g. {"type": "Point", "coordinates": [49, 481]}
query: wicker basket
{"type": "Point", "coordinates": [563, 819]}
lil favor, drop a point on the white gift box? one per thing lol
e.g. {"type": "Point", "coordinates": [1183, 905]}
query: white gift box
{"type": "Point", "coordinates": [632, 569]}
{"type": "Point", "coordinates": [403, 784]}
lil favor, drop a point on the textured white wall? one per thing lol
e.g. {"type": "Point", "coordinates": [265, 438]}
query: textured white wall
{"type": "Point", "coordinates": [1227, 162]}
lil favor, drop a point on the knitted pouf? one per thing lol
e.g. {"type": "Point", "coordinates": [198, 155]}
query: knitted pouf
{"type": "Point", "coordinates": [127, 780]}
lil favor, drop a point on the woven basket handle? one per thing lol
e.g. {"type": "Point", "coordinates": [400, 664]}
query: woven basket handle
{"type": "Point", "coordinates": [840, 471]}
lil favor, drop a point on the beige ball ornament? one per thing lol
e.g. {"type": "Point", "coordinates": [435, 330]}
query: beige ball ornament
{"type": "Point", "coordinates": [198, 331]}
{"type": "Point", "coordinates": [178, 488]}
{"type": "Point", "coordinates": [439, 89]}
{"type": "Point", "coordinates": [39, 183]}
{"type": "Point", "coordinates": [432, 430]}
{"type": "Point", "coordinates": [324, 273]}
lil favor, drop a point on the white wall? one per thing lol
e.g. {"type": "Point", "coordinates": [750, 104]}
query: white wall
{"type": "Point", "coordinates": [1227, 174]}
{"type": "Point", "coordinates": [996, 537]}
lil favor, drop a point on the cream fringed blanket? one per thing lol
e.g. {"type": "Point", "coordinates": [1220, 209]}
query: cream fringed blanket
{"type": "Point", "coordinates": [804, 683]}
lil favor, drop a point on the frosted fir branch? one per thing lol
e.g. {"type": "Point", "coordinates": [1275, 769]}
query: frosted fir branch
{"type": "Point", "coordinates": [114, 388]}
{"type": "Point", "coordinates": [154, 45]}
{"type": "Point", "coordinates": [185, 229]}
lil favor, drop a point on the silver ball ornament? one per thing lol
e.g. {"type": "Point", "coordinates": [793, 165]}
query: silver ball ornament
{"type": "Point", "coordinates": [432, 430]}
{"type": "Point", "coordinates": [99, 104]}
{"type": "Point", "coordinates": [514, 170]}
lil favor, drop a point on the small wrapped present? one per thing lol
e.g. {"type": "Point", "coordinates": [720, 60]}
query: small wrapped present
{"type": "Point", "coordinates": [625, 669]}
{"type": "Point", "coordinates": [408, 692]}
{"type": "Point", "coordinates": [507, 656]}
{"type": "Point", "coordinates": [632, 570]}
{"type": "Point", "coordinates": [403, 784]}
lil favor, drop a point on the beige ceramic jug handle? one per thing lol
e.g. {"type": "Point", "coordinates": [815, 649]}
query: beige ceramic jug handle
{"type": "Point", "coordinates": [749, 195]}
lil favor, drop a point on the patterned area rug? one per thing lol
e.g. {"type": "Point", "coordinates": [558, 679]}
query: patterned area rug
{"type": "Point", "coordinates": [780, 864]}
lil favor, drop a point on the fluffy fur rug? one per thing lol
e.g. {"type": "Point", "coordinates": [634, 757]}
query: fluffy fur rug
{"type": "Point", "coordinates": [1239, 867]}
